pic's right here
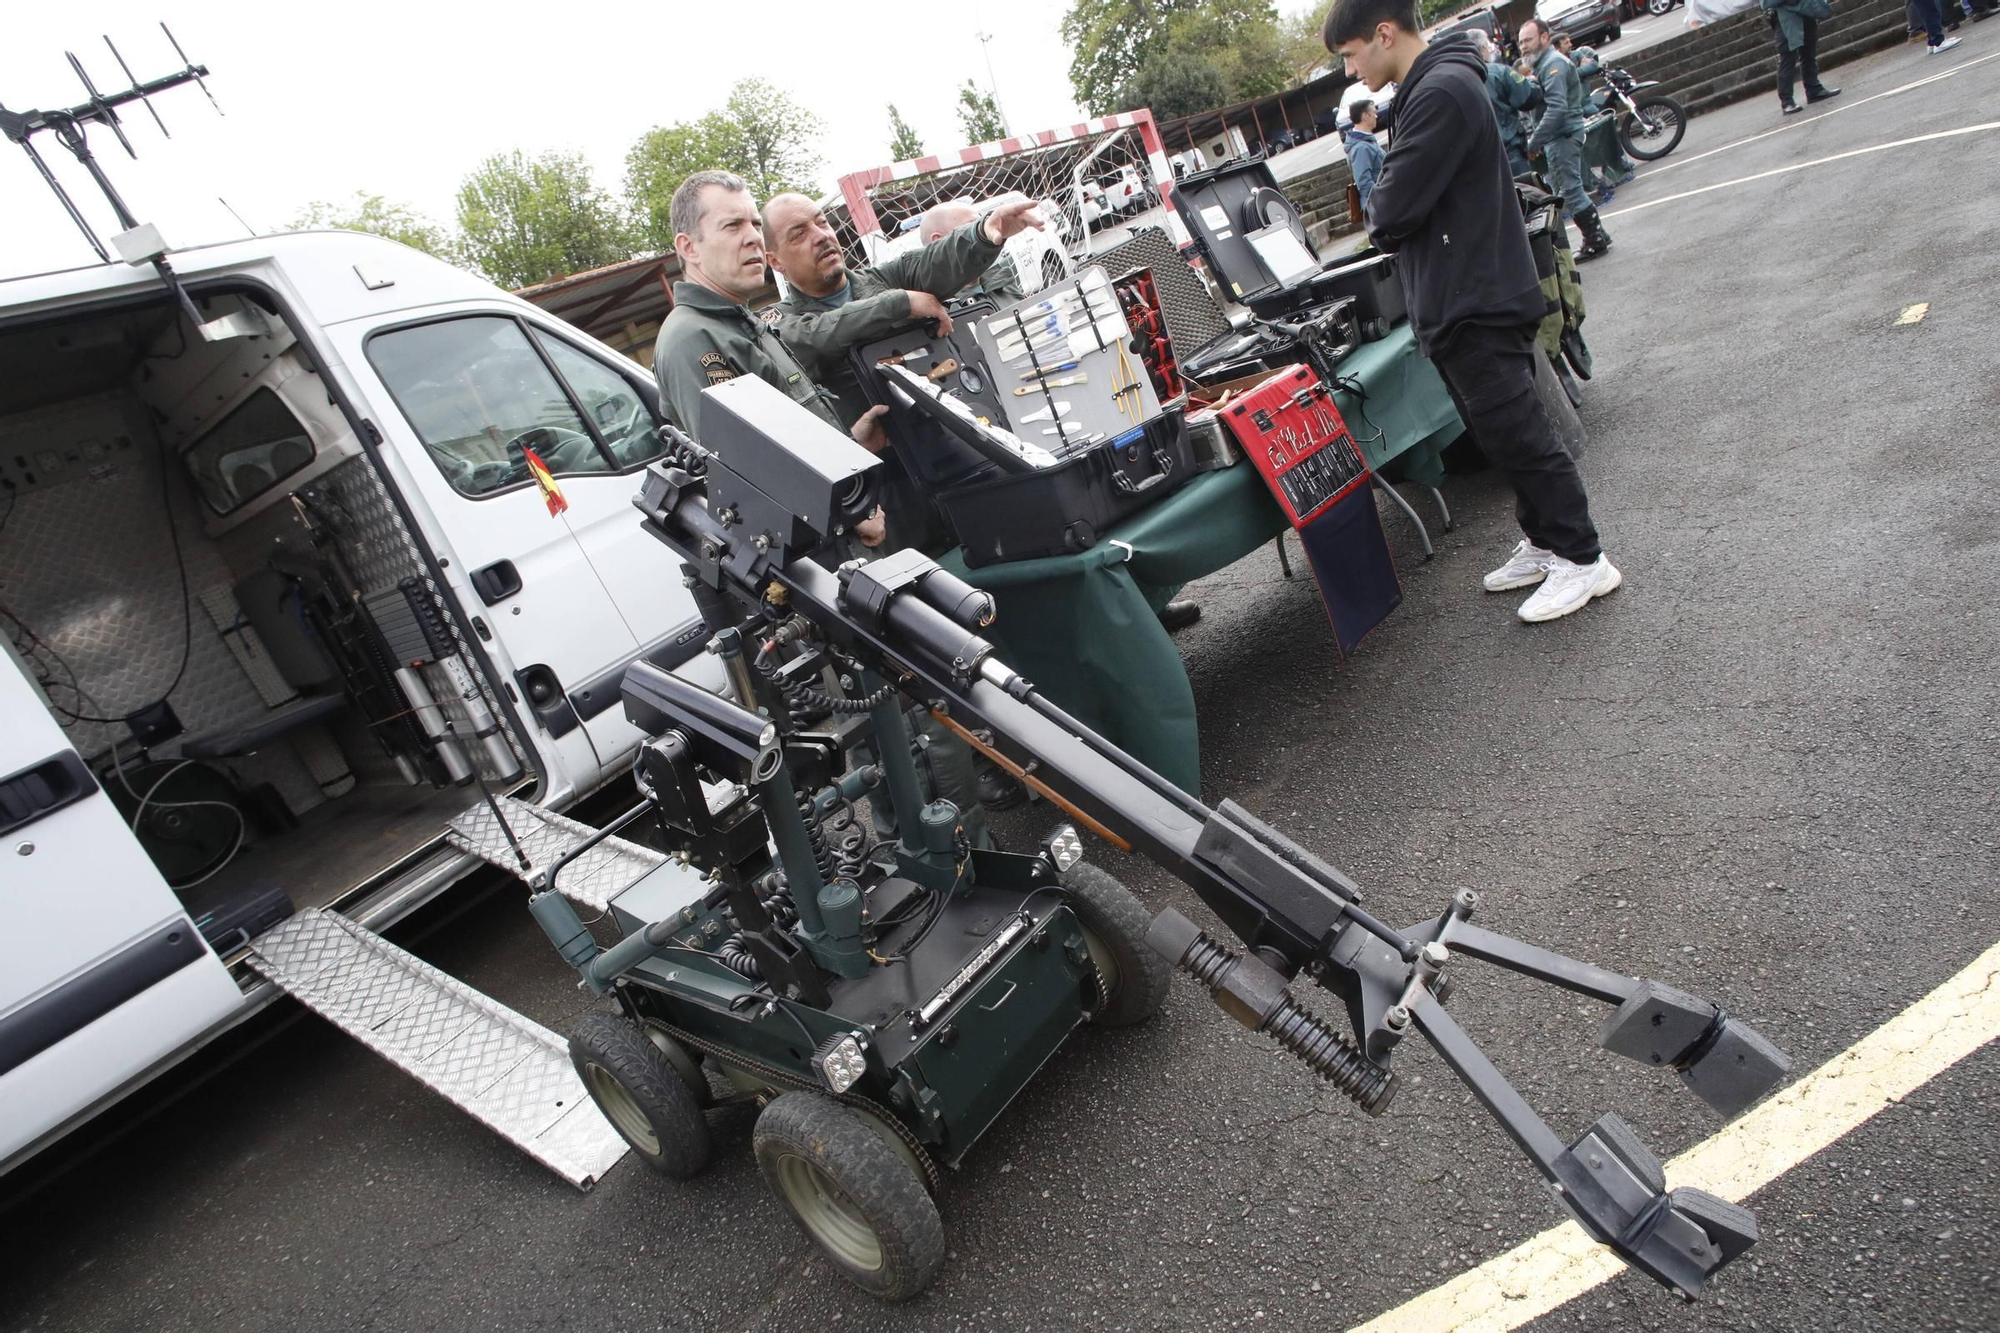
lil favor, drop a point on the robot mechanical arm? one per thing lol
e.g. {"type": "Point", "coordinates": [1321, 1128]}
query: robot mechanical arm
{"type": "Point", "coordinates": [748, 519]}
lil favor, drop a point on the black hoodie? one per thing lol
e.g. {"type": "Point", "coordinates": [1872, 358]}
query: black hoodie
{"type": "Point", "coordinates": [1445, 202]}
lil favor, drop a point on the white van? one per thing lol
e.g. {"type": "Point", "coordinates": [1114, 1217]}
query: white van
{"type": "Point", "coordinates": [283, 596]}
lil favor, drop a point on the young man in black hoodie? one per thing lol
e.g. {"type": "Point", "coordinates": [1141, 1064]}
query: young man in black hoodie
{"type": "Point", "coordinates": [1445, 207]}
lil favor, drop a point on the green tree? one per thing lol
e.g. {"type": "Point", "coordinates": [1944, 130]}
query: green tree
{"type": "Point", "coordinates": [904, 145]}
{"type": "Point", "coordinates": [979, 115]}
{"type": "Point", "coordinates": [526, 220]}
{"type": "Point", "coordinates": [760, 133]}
{"type": "Point", "coordinates": [1300, 47]}
{"type": "Point", "coordinates": [1178, 83]}
{"type": "Point", "coordinates": [1239, 37]}
{"type": "Point", "coordinates": [772, 140]}
{"type": "Point", "coordinates": [1109, 42]}
{"type": "Point", "coordinates": [665, 156]}
{"type": "Point", "coordinates": [372, 213]}
{"type": "Point", "coordinates": [1112, 42]}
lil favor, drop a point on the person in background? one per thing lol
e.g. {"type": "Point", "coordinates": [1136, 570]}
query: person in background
{"type": "Point", "coordinates": [1000, 282]}
{"type": "Point", "coordinates": [1512, 93]}
{"type": "Point", "coordinates": [1621, 168]}
{"type": "Point", "coordinates": [1934, 20]}
{"type": "Point", "coordinates": [1796, 23]}
{"type": "Point", "coordinates": [830, 308]}
{"type": "Point", "coordinates": [1446, 207]}
{"type": "Point", "coordinates": [1364, 150]}
{"type": "Point", "coordinates": [1558, 134]}
{"type": "Point", "coordinates": [710, 337]}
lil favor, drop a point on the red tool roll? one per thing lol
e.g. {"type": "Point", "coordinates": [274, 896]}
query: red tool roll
{"type": "Point", "coordinates": [1140, 298]}
{"type": "Point", "coordinates": [1294, 435]}
{"type": "Point", "coordinates": [1289, 427]}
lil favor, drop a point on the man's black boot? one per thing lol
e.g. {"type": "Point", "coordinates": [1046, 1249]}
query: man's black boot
{"type": "Point", "coordinates": [1179, 615]}
{"type": "Point", "coordinates": [1595, 239]}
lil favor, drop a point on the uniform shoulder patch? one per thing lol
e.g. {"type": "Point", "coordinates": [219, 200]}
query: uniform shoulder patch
{"type": "Point", "coordinates": [771, 314]}
{"type": "Point", "coordinates": [717, 367]}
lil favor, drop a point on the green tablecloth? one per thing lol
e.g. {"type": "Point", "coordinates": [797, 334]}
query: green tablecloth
{"type": "Point", "coordinates": [1083, 627]}
{"type": "Point", "coordinates": [1600, 145]}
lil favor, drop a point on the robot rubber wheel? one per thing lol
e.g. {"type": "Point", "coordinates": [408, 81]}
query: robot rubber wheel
{"type": "Point", "coordinates": [1114, 926]}
{"type": "Point", "coordinates": [852, 1192]}
{"type": "Point", "coordinates": [641, 1092]}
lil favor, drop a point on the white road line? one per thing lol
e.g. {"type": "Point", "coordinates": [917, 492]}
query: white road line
{"type": "Point", "coordinates": [1801, 166]}
{"type": "Point", "coordinates": [1815, 118]}
{"type": "Point", "coordinates": [1840, 1096]}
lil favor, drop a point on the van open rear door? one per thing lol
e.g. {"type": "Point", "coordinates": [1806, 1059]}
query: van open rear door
{"type": "Point", "coordinates": [102, 975]}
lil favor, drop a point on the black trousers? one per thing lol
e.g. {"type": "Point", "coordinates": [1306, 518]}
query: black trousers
{"type": "Point", "coordinates": [1491, 374]}
{"type": "Point", "coordinates": [1803, 61]}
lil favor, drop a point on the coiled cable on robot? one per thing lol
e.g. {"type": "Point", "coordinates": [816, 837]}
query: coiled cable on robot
{"type": "Point", "coordinates": [816, 834]}
{"type": "Point", "coordinates": [850, 855]}
{"type": "Point", "coordinates": [800, 697]}
{"type": "Point", "coordinates": [734, 954]}
{"type": "Point", "coordinates": [682, 452]}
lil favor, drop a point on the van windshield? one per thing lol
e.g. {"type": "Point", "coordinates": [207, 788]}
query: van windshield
{"type": "Point", "coordinates": [481, 396]}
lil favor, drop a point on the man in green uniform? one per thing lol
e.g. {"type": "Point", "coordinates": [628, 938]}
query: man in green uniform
{"type": "Point", "coordinates": [1618, 169]}
{"type": "Point", "coordinates": [832, 308]}
{"type": "Point", "coordinates": [711, 336]}
{"type": "Point", "coordinates": [1558, 134]}
{"type": "Point", "coordinates": [1001, 282]}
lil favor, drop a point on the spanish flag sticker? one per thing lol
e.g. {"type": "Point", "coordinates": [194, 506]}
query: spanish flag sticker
{"type": "Point", "coordinates": [545, 481]}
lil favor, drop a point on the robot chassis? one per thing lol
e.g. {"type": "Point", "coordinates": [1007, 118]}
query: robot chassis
{"type": "Point", "coordinates": [854, 988]}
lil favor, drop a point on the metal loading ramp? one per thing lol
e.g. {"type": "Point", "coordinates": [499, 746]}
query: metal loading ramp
{"type": "Point", "coordinates": [503, 1069]}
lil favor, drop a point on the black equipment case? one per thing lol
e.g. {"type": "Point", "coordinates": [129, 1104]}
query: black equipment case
{"type": "Point", "coordinates": [1070, 507]}
{"type": "Point", "coordinates": [935, 458]}
{"type": "Point", "coordinates": [1369, 278]}
{"type": "Point", "coordinates": [1225, 208]}
{"type": "Point", "coordinates": [1325, 337]}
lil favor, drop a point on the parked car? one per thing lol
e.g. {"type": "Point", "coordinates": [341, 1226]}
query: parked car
{"type": "Point", "coordinates": [1586, 21]}
{"type": "Point", "coordinates": [1483, 17]}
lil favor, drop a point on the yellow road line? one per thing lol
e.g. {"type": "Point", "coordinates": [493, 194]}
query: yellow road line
{"type": "Point", "coordinates": [1841, 1095]}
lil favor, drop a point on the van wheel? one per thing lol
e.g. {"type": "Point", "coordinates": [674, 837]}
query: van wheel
{"type": "Point", "coordinates": [646, 1099]}
{"type": "Point", "coordinates": [860, 1200]}
{"type": "Point", "coordinates": [1114, 929]}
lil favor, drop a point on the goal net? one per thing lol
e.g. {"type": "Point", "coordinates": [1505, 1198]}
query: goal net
{"type": "Point", "coordinates": [1091, 177]}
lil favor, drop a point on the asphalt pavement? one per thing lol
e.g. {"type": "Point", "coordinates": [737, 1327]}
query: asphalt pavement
{"type": "Point", "coordinates": [1763, 770]}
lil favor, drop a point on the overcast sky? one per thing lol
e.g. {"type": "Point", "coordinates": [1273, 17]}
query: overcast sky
{"type": "Point", "coordinates": [403, 99]}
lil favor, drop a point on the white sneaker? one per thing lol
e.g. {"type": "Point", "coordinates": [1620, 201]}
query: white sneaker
{"type": "Point", "coordinates": [1945, 45]}
{"type": "Point", "coordinates": [1568, 587]}
{"type": "Point", "coordinates": [1527, 564]}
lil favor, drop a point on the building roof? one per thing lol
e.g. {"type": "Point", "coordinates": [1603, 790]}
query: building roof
{"type": "Point", "coordinates": [1294, 108]}
{"type": "Point", "coordinates": [620, 304]}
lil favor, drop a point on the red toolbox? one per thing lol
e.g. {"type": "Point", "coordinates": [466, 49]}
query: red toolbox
{"type": "Point", "coordinates": [1294, 435]}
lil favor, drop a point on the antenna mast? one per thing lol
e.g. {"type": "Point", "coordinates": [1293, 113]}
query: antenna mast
{"type": "Point", "coordinates": [136, 243]}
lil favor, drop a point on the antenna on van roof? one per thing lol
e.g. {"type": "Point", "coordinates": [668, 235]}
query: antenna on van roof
{"type": "Point", "coordinates": [136, 244]}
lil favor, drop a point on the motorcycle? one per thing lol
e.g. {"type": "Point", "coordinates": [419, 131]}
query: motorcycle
{"type": "Point", "coordinates": [1648, 127]}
